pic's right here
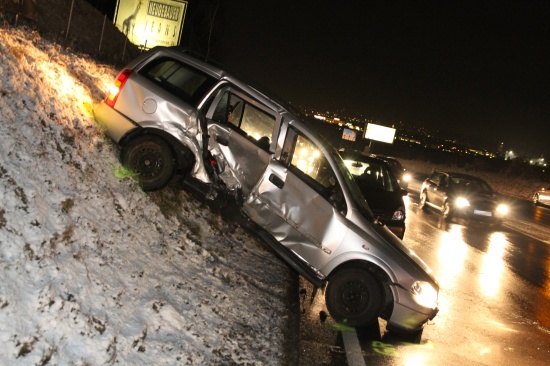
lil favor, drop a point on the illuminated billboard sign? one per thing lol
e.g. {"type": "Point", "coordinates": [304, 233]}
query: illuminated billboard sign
{"type": "Point", "coordinates": [150, 23]}
{"type": "Point", "coordinates": [380, 133]}
{"type": "Point", "coordinates": [349, 135]}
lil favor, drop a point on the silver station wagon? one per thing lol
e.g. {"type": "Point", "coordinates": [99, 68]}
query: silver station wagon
{"type": "Point", "coordinates": [172, 113]}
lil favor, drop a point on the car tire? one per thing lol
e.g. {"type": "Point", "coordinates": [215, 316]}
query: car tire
{"type": "Point", "coordinates": [152, 159]}
{"type": "Point", "coordinates": [354, 297]}
{"type": "Point", "coordinates": [423, 200]}
{"type": "Point", "coordinates": [536, 199]}
{"type": "Point", "coordinates": [447, 212]}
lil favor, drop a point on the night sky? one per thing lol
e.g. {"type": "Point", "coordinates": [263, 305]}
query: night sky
{"type": "Point", "coordinates": [478, 70]}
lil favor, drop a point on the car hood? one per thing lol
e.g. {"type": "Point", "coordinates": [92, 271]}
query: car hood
{"type": "Point", "coordinates": [407, 254]}
{"type": "Point", "coordinates": [389, 248]}
{"type": "Point", "coordinates": [381, 201]}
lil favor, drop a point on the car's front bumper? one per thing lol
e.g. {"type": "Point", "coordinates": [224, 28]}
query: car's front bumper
{"type": "Point", "coordinates": [407, 315]}
{"type": "Point", "coordinates": [478, 214]}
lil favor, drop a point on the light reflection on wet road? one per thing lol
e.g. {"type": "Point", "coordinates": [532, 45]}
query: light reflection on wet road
{"type": "Point", "coordinates": [494, 298]}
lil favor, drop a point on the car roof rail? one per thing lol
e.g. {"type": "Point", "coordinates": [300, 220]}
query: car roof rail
{"type": "Point", "coordinates": [253, 84]}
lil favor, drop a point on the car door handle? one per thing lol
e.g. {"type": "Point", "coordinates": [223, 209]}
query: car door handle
{"type": "Point", "coordinates": [278, 182]}
{"type": "Point", "coordinates": [222, 140]}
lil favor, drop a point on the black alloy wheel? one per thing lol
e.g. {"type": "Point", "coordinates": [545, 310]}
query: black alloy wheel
{"type": "Point", "coordinates": [354, 297]}
{"type": "Point", "coordinates": [152, 159]}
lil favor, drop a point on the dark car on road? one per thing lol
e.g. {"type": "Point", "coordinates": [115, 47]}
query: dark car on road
{"type": "Point", "coordinates": [542, 197]}
{"type": "Point", "coordinates": [380, 188]}
{"type": "Point", "coordinates": [461, 195]}
{"type": "Point", "coordinates": [401, 174]}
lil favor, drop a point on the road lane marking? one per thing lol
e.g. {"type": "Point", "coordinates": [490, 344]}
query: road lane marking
{"type": "Point", "coordinates": [354, 355]}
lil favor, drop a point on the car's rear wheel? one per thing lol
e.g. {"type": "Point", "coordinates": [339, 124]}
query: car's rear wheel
{"type": "Point", "coordinates": [152, 159]}
{"type": "Point", "coordinates": [354, 297]}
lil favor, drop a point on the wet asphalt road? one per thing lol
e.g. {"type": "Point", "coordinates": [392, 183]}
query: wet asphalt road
{"type": "Point", "coordinates": [494, 299]}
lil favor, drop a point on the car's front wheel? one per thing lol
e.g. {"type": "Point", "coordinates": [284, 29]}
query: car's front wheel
{"type": "Point", "coordinates": [354, 297]}
{"type": "Point", "coordinates": [152, 159]}
{"type": "Point", "coordinates": [447, 213]}
{"type": "Point", "coordinates": [423, 199]}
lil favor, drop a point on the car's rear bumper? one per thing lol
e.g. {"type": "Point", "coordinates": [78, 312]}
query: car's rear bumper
{"type": "Point", "coordinates": [115, 124]}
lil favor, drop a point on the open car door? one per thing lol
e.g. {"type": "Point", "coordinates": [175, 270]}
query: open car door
{"type": "Point", "coordinates": [240, 133]}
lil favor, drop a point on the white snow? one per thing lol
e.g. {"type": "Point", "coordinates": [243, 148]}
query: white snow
{"type": "Point", "coordinates": [94, 271]}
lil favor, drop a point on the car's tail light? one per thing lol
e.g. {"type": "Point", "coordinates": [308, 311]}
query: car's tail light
{"type": "Point", "coordinates": [115, 89]}
{"type": "Point", "coordinates": [398, 215]}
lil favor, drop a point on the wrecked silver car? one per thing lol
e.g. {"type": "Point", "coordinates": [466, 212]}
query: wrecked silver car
{"type": "Point", "coordinates": [170, 112]}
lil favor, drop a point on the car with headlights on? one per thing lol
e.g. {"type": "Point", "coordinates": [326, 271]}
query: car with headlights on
{"type": "Point", "coordinates": [380, 188]}
{"type": "Point", "coordinates": [462, 195]}
{"type": "Point", "coordinates": [542, 197]}
{"type": "Point", "coordinates": [402, 175]}
{"type": "Point", "coordinates": [237, 146]}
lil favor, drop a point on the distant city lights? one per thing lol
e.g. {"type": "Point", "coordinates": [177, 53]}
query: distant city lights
{"type": "Point", "coordinates": [421, 136]}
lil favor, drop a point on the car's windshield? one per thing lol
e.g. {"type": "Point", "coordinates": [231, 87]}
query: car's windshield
{"type": "Point", "coordinates": [470, 184]}
{"type": "Point", "coordinates": [357, 196]}
{"type": "Point", "coordinates": [394, 164]}
{"type": "Point", "coordinates": [371, 174]}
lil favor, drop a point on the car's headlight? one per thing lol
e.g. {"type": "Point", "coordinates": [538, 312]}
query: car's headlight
{"type": "Point", "coordinates": [424, 294]}
{"type": "Point", "coordinates": [462, 202]}
{"type": "Point", "coordinates": [502, 209]}
{"type": "Point", "coordinates": [407, 177]}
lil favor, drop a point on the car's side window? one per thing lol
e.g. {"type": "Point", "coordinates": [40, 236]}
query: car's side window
{"type": "Point", "coordinates": [250, 120]}
{"type": "Point", "coordinates": [436, 178]}
{"type": "Point", "coordinates": [308, 159]}
{"type": "Point", "coordinates": [304, 158]}
{"type": "Point", "coordinates": [182, 80]}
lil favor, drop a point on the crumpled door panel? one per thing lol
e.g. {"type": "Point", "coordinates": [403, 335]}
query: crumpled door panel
{"type": "Point", "coordinates": [243, 161]}
{"type": "Point", "coordinates": [296, 215]}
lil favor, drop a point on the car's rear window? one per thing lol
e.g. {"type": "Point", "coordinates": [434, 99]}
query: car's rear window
{"type": "Point", "coordinates": [180, 79]}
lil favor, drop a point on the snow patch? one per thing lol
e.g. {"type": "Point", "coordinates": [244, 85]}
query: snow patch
{"type": "Point", "coordinates": [94, 271]}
